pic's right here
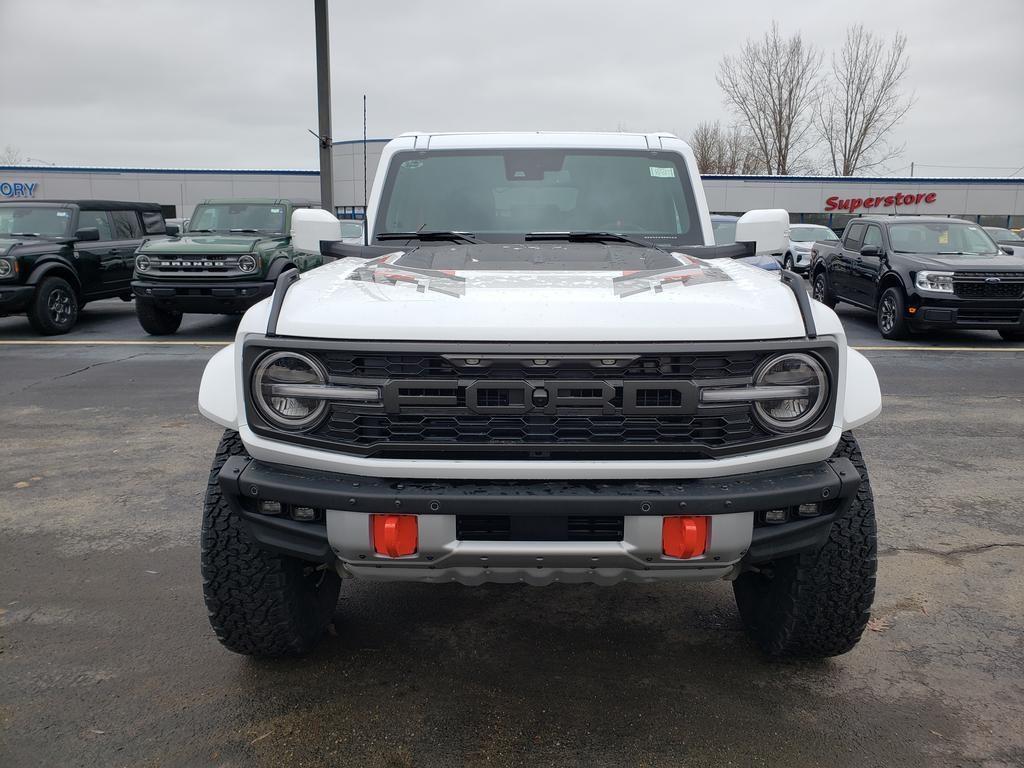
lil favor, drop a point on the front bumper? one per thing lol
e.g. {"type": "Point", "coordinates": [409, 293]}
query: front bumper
{"type": "Point", "coordinates": [15, 298]}
{"type": "Point", "coordinates": [342, 536]}
{"type": "Point", "coordinates": [976, 314]}
{"type": "Point", "coordinates": [206, 297]}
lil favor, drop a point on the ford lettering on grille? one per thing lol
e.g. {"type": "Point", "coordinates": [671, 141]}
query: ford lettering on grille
{"type": "Point", "coordinates": [538, 396]}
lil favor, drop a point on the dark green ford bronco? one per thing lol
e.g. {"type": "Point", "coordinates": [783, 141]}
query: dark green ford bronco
{"type": "Point", "coordinates": [226, 261]}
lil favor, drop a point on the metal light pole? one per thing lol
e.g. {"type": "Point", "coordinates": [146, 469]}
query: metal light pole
{"type": "Point", "coordinates": [323, 94]}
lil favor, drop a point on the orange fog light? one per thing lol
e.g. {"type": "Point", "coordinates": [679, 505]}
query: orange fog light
{"type": "Point", "coordinates": [395, 535]}
{"type": "Point", "coordinates": [685, 537]}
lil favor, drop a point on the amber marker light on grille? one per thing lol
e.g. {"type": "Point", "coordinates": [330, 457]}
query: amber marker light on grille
{"type": "Point", "coordinates": [395, 535]}
{"type": "Point", "coordinates": [685, 537]}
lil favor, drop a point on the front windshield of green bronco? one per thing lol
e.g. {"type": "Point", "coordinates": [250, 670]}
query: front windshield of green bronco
{"type": "Point", "coordinates": [500, 195]}
{"type": "Point", "coordinates": [238, 217]}
{"type": "Point", "coordinates": [34, 221]}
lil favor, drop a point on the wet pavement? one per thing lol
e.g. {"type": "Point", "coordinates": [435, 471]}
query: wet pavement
{"type": "Point", "coordinates": [106, 657]}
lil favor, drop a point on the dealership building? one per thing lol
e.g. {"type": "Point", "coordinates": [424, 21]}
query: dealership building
{"type": "Point", "coordinates": [829, 200]}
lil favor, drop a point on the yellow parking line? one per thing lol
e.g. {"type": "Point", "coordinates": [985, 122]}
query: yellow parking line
{"type": "Point", "coordinates": [895, 348]}
{"type": "Point", "coordinates": [110, 343]}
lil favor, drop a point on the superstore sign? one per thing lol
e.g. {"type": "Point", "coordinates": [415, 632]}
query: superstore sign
{"type": "Point", "coordinates": [851, 204]}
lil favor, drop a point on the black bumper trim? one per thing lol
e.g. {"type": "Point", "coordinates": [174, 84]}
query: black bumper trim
{"type": "Point", "coordinates": [833, 483]}
{"type": "Point", "coordinates": [15, 298]}
{"type": "Point", "coordinates": [206, 296]}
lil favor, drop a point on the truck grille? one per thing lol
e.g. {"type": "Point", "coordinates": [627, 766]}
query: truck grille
{"type": "Point", "coordinates": [194, 266]}
{"type": "Point", "coordinates": [541, 401]}
{"type": "Point", "coordinates": [988, 285]}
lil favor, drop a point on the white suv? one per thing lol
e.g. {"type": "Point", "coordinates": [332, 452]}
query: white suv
{"type": "Point", "coordinates": [796, 255]}
{"type": "Point", "coordinates": [541, 369]}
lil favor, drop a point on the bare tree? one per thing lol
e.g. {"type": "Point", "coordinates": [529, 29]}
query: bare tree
{"type": "Point", "coordinates": [10, 156]}
{"type": "Point", "coordinates": [724, 150]}
{"type": "Point", "coordinates": [772, 85]}
{"type": "Point", "coordinates": [864, 102]}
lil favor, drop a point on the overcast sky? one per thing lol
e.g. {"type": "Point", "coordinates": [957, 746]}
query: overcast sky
{"type": "Point", "coordinates": [232, 84]}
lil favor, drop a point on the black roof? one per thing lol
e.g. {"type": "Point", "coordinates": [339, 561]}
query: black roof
{"type": "Point", "coordinates": [94, 205]}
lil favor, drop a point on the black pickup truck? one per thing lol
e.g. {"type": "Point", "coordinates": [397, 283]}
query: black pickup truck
{"type": "Point", "coordinates": [55, 256]}
{"type": "Point", "coordinates": [922, 273]}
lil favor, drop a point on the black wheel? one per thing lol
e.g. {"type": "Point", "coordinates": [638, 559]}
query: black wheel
{"type": "Point", "coordinates": [891, 317]}
{"type": "Point", "coordinates": [822, 291]}
{"type": "Point", "coordinates": [260, 603]}
{"type": "Point", "coordinates": [54, 308]}
{"type": "Point", "coordinates": [1012, 335]}
{"type": "Point", "coordinates": [816, 604]}
{"type": "Point", "coordinates": [155, 320]}
{"type": "Point", "coordinates": [787, 263]}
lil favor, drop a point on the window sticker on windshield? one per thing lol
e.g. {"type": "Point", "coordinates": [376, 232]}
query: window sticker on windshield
{"type": "Point", "coordinates": [412, 164]}
{"type": "Point", "coordinates": [275, 210]}
{"type": "Point", "coordinates": [63, 214]}
{"type": "Point", "coordinates": [944, 237]}
{"type": "Point", "coordinates": [663, 173]}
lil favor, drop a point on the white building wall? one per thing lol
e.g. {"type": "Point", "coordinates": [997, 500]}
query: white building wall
{"type": "Point", "coordinates": [183, 189]}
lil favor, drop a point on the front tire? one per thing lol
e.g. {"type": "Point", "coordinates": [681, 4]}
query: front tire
{"type": "Point", "coordinates": [822, 291]}
{"type": "Point", "coordinates": [891, 314]}
{"type": "Point", "coordinates": [816, 604]}
{"type": "Point", "coordinates": [787, 263]}
{"type": "Point", "coordinates": [260, 603]}
{"type": "Point", "coordinates": [155, 320]}
{"type": "Point", "coordinates": [54, 308]}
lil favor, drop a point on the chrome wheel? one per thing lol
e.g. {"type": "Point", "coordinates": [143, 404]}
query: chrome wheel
{"type": "Point", "coordinates": [59, 304]}
{"type": "Point", "coordinates": [787, 263]}
{"type": "Point", "coordinates": [887, 314]}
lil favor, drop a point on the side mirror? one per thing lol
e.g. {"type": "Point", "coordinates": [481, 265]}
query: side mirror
{"type": "Point", "coordinates": [171, 229]}
{"type": "Point", "coordinates": [310, 226]}
{"type": "Point", "coordinates": [871, 250]}
{"type": "Point", "coordinates": [87, 234]}
{"type": "Point", "coordinates": [768, 230]}
{"type": "Point", "coordinates": [1007, 249]}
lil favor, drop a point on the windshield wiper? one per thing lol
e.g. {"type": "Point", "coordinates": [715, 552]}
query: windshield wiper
{"type": "Point", "coordinates": [593, 237]}
{"type": "Point", "coordinates": [244, 229]}
{"type": "Point", "coordinates": [23, 234]}
{"type": "Point", "coordinates": [428, 235]}
{"type": "Point", "coordinates": [202, 230]}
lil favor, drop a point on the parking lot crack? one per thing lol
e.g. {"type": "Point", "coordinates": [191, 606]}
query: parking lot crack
{"type": "Point", "coordinates": [952, 553]}
{"type": "Point", "coordinates": [83, 369]}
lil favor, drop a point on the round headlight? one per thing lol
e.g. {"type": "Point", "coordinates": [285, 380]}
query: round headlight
{"type": "Point", "coordinates": [793, 370]}
{"type": "Point", "coordinates": [274, 375]}
{"type": "Point", "coordinates": [142, 263]}
{"type": "Point", "coordinates": [247, 263]}
{"type": "Point", "coordinates": [5, 268]}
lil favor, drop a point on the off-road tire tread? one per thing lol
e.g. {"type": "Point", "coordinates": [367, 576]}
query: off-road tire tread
{"type": "Point", "coordinates": [156, 321]}
{"type": "Point", "coordinates": [260, 603]}
{"type": "Point", "coordinates": [817, 604]}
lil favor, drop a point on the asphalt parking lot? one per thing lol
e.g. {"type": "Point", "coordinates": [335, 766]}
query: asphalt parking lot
{"type": "Point", "coordinates": [107, 658]}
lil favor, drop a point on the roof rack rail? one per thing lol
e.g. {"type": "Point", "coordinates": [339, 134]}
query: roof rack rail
{"type": "Point", "coordinates": [284, 282]}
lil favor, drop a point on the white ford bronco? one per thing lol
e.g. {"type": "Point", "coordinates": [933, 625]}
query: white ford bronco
{"type": "Point", "coordinates": [539, 368]}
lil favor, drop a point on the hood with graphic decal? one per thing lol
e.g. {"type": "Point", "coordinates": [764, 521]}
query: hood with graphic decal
{"type": "Point", "coordinates": [551, 291]}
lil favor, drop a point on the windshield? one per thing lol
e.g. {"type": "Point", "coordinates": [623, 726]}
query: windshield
{"type": "Point", "coordinates": [501, 195]}
{"type": "Point", "coordinates": [810, 234]}
{"type": "Point", "coordinates": [725, 232]}
{"type": "Point", "coordinates": [44, 221]}
{"type": "Point", "coordinates": [998, 233]}
{"type": "Point", "coordinates": [953, 238]}
{"type": "Point", "coordinates": [238, 217]}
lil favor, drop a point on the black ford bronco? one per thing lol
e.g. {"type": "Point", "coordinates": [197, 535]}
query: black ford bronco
{"type": "Point", "coordinates": [55, 256]}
